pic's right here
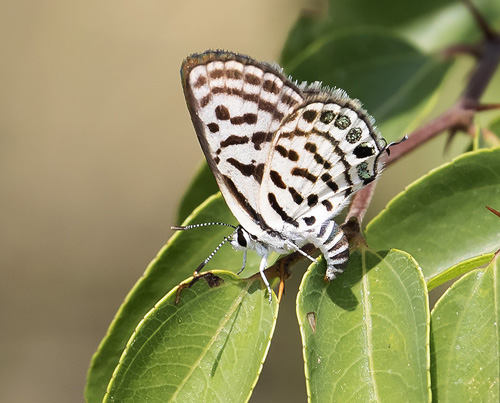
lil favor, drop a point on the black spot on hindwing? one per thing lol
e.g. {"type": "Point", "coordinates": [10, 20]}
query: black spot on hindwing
{"type": "Point", "coordinates": [327, 204]}
{"type": "Point", "coordinates": [327, 117]}
{"type": "Point", "coordinates": [296, 196]}
{"type": "Point", "coordinates": [327, 178]}
{"type": "Point", "coordinates": [309, 116]}
{"type": "Point", "coordinates": [277, 180]}
{"type": "Point", "coordinates": [343, 122]}
{"type": "Point", "coordinates": [293, 155]}
{"type": "Point", "coordinates": [312, 200]}
{"type": "Point", "coordinates": [304, 173]}
{"type": "Point", "coordinates": [364, 150]}
{"type": "Point", "coordinates": [309, 220]}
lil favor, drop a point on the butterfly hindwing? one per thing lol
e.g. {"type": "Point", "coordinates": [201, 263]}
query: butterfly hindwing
{"type": "Point", "coordinates": [237, 105]}
{"type": "Point", "coordinates": [326, 150]}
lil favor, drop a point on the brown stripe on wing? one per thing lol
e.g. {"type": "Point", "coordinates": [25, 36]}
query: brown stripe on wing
{"type": "Point", "coordinates": [241, 200]}
{"type": "Point", "coordinates": [271, 86]}
{"type": "Point", "coordinates": [248, 118]}
{"type": "Point", "coordinates": [327, 178]}
{"type": "Point", "coordinates": [276, 207]}
{"type": "Point", "coordinates": [233, 74]}
{"type": "Point", "coordinates": [255, 170]}
{"type": "Point", "coordinates": [251, 79]}
{"type": "Point", "coordinates": [296, 196]}
{"type": "Point", "coordinates": [277, 180]}
{"type": "Point", "coordinates": [312, 148]}
{"type": "Point", "coordinates": [259, 138]}
{"type": "Point", "coordinates": [234, 140]}
{"type": "Point", "coordinates": [304, 173]}
{"type": "Point", "coordinates": [327, 204]}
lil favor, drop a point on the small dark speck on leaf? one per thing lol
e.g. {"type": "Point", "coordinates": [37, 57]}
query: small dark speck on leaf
{"type": "Point", "coordinates": [212, 280]}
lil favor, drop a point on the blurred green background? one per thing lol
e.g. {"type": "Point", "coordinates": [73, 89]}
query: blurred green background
{"type": "Point", "coordinates": [96, 149]}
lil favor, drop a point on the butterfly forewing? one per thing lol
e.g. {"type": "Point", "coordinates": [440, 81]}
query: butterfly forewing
{"type": "Point", "coordinates": [237, 106]}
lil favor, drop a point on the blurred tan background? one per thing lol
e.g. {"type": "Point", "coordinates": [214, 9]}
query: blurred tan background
{"type": "Point", "coordinates": [96, 148]}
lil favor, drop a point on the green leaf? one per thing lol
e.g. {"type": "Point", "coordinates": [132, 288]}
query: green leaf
{"type": "Point", "coordinates": [441, 219]}
{"type": "Point", "coordinates": [208, 347]}
{"type": "Point", "coordinates": [429, 24]}
{"type": "Point", "coordinates": [392, 78]}
{"type": "Point", "coordinates": [174, 263]}
{"type": "Point", "coordinates": [465, 340]}
{"type": "Point", "coordinates": [202, 186]}
{"type": "Point", "coordinates": [365, 335]}
{"type": "Point", "coordinates": [458, 270]}
{"type": "Point", "coordinates": [490, 137]}
{"type": "Point", "coordinates": [444, 23]}
{"type": "Point", "coordinates": [394, 13]}
{"type": "Point", "coordinates": [495, 127]}
{"type": "Point", "coordinates": [485, 137]}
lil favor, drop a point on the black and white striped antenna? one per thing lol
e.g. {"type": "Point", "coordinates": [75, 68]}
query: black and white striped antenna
{"type": "Point", "coordinates": [206, 224]}
{"type": "Point", "coordinates": [198, 269]}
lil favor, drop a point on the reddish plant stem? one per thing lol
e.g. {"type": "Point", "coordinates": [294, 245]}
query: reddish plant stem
{"type": "Point", "coordinates": [458, 117]}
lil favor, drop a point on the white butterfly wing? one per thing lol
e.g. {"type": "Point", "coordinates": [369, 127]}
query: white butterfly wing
{"type": "Point", "coordinates": [325, 151]}
{"type": "Point", "coordinates": [236, 106]}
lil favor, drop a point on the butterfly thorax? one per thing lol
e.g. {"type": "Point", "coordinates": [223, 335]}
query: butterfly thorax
{"type": "Point", "coordinates": [262, 243]}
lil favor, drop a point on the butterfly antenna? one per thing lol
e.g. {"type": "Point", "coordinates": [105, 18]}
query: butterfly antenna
{"type": "Point", "coordinates": [394, 143]}
{"type": "Point", "coordinates": [205, 224]}
{"type": "Point", "coordinates": [198, 269]}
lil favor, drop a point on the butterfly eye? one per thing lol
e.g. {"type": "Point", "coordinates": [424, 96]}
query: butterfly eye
{"type": "Point", "coordinates": [241, 238]}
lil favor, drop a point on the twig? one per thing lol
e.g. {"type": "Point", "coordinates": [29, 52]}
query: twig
{"type": "Point", "coordinates": [480, 20]}
{"type": "Point", "coordinates": [458, 117]}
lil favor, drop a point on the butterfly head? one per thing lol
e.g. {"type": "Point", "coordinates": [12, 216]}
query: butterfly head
{"type": "Point", "coordinates": [241, 239]}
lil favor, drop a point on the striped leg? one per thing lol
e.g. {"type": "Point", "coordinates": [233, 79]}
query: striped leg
{"type": "Point", "coordinates": [334, 246]}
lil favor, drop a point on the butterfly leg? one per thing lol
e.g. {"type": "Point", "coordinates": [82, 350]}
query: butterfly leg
{"type": "Point", "coordinates": [262, 267]}
{"type": "Point", "coordinates": [297, 249]}
{"type": "Point", "coordinates": [334, 246]}
{"type": "Point", "coordinates": [244, 261]}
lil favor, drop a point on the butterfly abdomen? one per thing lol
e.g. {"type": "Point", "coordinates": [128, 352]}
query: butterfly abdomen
{"type": "Point", "coordinates": [334, 246]}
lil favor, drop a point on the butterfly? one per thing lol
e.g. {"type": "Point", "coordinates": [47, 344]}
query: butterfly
{"type": "Point", "coordinates": [286, 156]}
